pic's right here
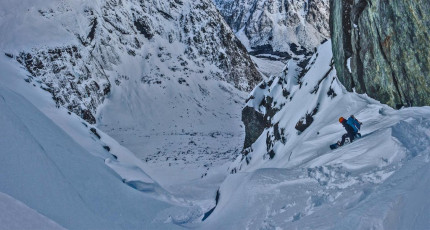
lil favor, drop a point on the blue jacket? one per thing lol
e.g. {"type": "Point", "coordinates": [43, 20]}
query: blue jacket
{"type": "Point", "coordinates": [354, 123]}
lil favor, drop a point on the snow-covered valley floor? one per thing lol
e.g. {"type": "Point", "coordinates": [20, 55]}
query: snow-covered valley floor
{"type": "Point", "coordinates": [187, 155]}
{"type": "Point", "coordinates": [178, 157]}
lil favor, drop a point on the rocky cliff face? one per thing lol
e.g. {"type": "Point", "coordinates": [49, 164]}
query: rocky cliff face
{"type": "Point", "coordinates": [112, 42]}
{"type": "Point", "coordinates": [281, 27]}
{"type": "Point", "coordinates": [381, 48]}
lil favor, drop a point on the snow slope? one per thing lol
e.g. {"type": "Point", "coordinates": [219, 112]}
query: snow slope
{"type": "Point", "coordinates": [16, 215]}
{"type": "Point", "coordinates": [53, 163]}
{"type": "Point", "coordinates": [290, 179]}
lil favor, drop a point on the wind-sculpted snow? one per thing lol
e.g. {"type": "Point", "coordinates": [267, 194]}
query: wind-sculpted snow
{"type": "Point", "coordinates": [166, 79]}
{"type": "Point", "coordinates": [301, 110]}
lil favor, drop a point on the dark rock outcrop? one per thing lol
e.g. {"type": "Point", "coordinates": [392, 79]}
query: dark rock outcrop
{"type": "Point", "coordinates": [385, 43]}
{"type": "Point", "coordinates": [254, 125]}
{"type": "Point", "coordinates": [65, 74]}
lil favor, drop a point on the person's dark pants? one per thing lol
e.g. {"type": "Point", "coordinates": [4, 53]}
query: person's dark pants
{"type": "Point", "coordinates": [344, 136]}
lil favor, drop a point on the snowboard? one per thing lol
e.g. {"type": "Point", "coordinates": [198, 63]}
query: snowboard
{"type": "Point", "coordinates": [334, 146]}
{"type": "Point", "coordinates": [347, 141]}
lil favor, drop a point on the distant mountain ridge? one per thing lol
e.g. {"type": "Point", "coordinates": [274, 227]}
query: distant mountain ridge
{"type": "Point", "coordinates": [282, 28]}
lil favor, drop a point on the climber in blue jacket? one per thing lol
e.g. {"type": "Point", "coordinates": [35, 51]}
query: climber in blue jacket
{"type": "Point", "coordinates": [352, 126]}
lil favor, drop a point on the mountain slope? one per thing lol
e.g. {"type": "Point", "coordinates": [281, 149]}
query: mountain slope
{"type": "Point", "coordinates": [143, 72]}
{"type": "Point", "coordinates": [82, 50]}
{"type": "Point", "coordinates": [289, 178]}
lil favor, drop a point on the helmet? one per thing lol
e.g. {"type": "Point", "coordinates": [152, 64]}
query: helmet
{"type": "Point", "coordinates": [341, 119]}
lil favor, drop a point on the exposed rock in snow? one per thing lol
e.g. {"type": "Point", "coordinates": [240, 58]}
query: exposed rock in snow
{"type": "Point", "coordinates": [290, 103]}
{"type": "Point", "coordinates": [104, 40]}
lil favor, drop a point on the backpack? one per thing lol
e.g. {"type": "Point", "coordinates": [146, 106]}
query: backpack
{"type": "Point", "coordinates": [354, 123]}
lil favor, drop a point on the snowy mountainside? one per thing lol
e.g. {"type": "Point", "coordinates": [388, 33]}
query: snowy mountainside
{"type": "Point", "coordinates": [52, 159]}
{"type": "Point", "coordinates": [288, 178]}
{"type": "Point", "coordinates": [278, 28]}
{"type": "Point", "coordinates": [83, 49]}
{"type": "Point", "coordinates": [143, 71]}
{"type": "Point", "coordinates": [288, 104]}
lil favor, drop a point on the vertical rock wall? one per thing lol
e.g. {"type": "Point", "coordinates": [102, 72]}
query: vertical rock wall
{"type": "Point", "coordinates": [386, 45]}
